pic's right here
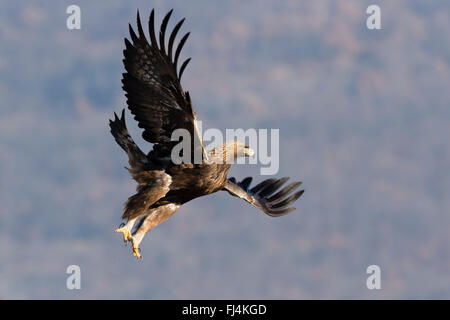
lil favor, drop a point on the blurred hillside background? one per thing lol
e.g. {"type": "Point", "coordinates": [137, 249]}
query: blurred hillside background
{"type": "Point", "coordinates": [364, 122]}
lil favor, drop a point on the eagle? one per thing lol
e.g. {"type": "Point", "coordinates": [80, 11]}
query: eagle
{"type": "Point", "coordinates": [160, 106]}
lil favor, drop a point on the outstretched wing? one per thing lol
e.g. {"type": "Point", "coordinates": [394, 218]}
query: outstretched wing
{"type": "Point", "coordinates": [152, 84]}
{"type": "Point", "coordinates": [263, 195]}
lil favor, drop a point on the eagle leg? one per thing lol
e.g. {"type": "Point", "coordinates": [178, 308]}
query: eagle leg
{"type": "Point", "coordinates": [136, 251]}
{"type": "Point", "coordinates": [137, 237]}
{"type": "Point", "coordinates": [150, 220]}
{"type": "Point", "coordinates": [126, 230]}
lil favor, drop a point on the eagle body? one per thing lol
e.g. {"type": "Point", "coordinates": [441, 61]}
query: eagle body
{"type": "Point", "coordinates": [160, 106]}
{"type": "Point", "coordinates": [193, 181]}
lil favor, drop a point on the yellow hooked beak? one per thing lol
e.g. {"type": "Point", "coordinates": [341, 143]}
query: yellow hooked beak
{"type": "Point", "coordinates": [249, 152]}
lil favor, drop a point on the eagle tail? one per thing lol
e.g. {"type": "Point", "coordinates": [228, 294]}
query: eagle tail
{"type": "Point", "coordinates": [136, 158]}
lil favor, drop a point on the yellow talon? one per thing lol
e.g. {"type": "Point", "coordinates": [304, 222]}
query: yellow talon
{"type": "Point", "coordinates": [136, 252]}
{"type": "Point", "coordinates": [126, 234]}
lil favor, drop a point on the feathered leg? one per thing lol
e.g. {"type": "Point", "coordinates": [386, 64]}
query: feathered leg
{"type": "Point", "coordinates": [152, 186]}
{"type": "Point", "coordinates": [155, 217]}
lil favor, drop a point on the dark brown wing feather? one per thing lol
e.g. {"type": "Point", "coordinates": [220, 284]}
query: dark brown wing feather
{"type": "Point", "coordinates": [265, 196]}
{"type": "Point", "coordinates": [152, 84]}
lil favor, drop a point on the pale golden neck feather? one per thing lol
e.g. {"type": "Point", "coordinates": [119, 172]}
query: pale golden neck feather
{"type": "Point", "coordinates": [226, 153]}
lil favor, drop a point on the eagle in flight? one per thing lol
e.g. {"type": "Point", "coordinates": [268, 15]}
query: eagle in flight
{"type": "Point", "coordinates": [160, 106]}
